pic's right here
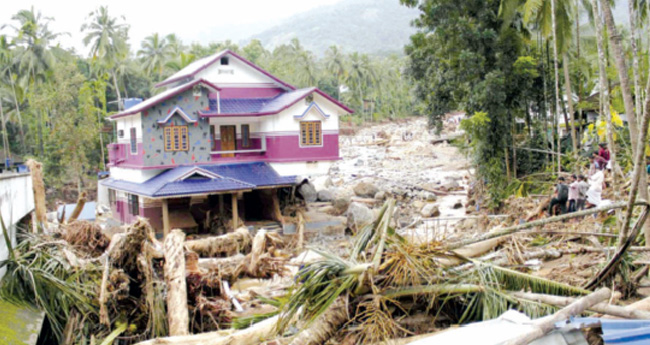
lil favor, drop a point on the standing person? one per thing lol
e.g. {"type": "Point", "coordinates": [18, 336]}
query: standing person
{"type": "Point", "coordinates": [559, 198]}
{"type": "Point", "coordinates": [603, 152]}
{"type": "Point", "coordinates": [573, 193]}
{"type": "Point", "coordinates": [599, 162]}
{"type": "Point", "coordinates": [583, 187]}
{"type": "Point", "coordinates": [595, 190]}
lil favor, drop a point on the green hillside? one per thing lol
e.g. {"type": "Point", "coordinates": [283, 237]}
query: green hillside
{"type": "Point", "coordinates": [368, 26]}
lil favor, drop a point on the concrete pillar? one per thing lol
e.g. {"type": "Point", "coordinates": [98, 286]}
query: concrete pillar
{"type": "Point", "coordinates": [165, 216]}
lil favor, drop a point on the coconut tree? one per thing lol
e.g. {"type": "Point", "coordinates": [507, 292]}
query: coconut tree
{"type": "Point", "coordinates": [335, 65]}
{"type": "Point", "coordinates": [34, 58]}
{"type": "Point", "coordinates": [107, 40]}
{"type": "Point", "coordinates": [155, 51]}
{"type": "Point", "coordinates": [180, 62]}
{"type": "Point", "coordinates": [6, 59]}
{"type": "Point", "coordinates": [635, 133]}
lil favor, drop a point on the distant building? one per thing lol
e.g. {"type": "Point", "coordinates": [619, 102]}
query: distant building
{"type": "Point", "coordinates": [223, 133]}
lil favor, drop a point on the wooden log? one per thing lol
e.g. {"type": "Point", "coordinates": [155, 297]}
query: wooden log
{"type": "Point", "coordinates": [544, 325]}
{"type": "Point", "coordinates": [36, 171]}
{"type": "Point", "coordinates": [228, 244]}
{"type": "Point", "coordinates": [177, 312]}
{"type": "Point", "coordinates": [324, 326]}
{"type": "Point", "coordinates": [253, 335]}
{"type": "Point", "coordinates": [471, 251]}
{"type": "Point", "coordinates": [602, 308]}
{"type": "Point", "coordinates": [103, 311]}
{"type": "Point", "coordinates": [81, 202]}
{"type": "Point", "coordinates": [514, 229]}
{"type": "Point", "coordinates": [226, 268]}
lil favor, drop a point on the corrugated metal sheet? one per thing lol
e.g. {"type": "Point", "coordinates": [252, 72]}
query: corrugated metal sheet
{"type": "Point", "coordinates": [628, 332]}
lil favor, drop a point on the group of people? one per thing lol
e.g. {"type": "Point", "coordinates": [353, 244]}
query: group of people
{"type": "Point", "coordinates": [582, 192]}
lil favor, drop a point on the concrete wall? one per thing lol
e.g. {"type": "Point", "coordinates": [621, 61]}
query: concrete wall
{"type": "Point", "coordinates": [16, 202]}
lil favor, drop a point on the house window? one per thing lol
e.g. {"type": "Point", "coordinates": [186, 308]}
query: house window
{"type": "Point", "coordinates": [134, 141]}
{"type": "Point", "coordinates": [245, 136]}
{"type": "Point", "coordinates": [309, 99]}
{"type": "Point", "coordinates": [112, 196]}
{"type": "Point", "coordinates": [134, 205]}
{"type": "Point", "coordinates": [310, 133]}
{"type": "Point", "coordinates": [224, 61]}
{"type": "Point", "coordinates": [120, 133]}
{"type": "Point", "coordinates": [176, 138]}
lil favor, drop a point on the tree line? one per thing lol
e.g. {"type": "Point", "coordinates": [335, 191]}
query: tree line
{"type": "Point", "coordinates": [53, 101]}
{"type": "Point", "coordinates": [527, 73]}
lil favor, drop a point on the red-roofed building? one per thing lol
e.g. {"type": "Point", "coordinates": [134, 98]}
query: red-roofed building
{"type": "Point", "coordinates": [221, 109]}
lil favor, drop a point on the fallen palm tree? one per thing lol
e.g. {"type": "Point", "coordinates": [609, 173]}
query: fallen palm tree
{"type": "Point", "coordinates": [238, 241]}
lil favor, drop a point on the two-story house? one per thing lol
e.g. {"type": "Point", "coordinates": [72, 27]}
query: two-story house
{"type": "Point", "coordinates": [221, 138]}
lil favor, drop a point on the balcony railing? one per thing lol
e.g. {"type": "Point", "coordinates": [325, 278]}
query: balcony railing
{"type": "Point", "coordinates": [261, 149]}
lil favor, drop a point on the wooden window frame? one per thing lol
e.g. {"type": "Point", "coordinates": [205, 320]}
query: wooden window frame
{"type": "Point", "coordinates": [133, 141]}
{"type": "Point", "coordinates": [176, 138]}
{"type": "Point", "coordinates": [245, 136]}
{"type": "Point", "coordinates": [134, 205]}
{"type": "Point", "coordinates": [311, 133]}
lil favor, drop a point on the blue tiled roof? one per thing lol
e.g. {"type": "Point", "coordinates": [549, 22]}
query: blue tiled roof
{"type": "Point", "coordinates": [231, 177]}
{"type": "Point", "coordinates": [243, 105]}
{"type": "Point", "coordinates": [262, 105]}
{"type": "Point", "coordinates": [259, 174]}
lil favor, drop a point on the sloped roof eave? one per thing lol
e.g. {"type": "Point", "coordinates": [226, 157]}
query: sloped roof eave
{"type": "Point", "coordinates": [215, 59]}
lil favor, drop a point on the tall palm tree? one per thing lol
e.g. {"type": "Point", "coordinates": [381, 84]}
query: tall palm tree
{"type": "Point", "coordinates": [107, 40]}
{"type": "Point", "coordinates": [34, 57]}
{"type": "Point", "coordinates": [632, 121]}
{"type": "Point", "coordinates": [603, 87]}
{"type": "Point", "coordinates": [335, 65]}
{"type": "Point", "coordinates": [635, 57]}
{"type": "Point", "coordinates": [155, 52]}
{"type": "Point", "coordinates": [180, 62]}
{"type": "Point", "coordinates": [6, 59]}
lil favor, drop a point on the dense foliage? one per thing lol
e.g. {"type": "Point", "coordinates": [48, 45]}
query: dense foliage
{"type": "Point", "coordinates": [53, 102]}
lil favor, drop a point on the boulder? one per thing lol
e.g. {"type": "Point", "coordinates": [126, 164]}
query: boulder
{"type": "Point", "coordinates": [365, 190]}
{"type": "Point", "coordinates": [450, 185]}
{"type": "Point", "coordinates": [430, 210]}
{"type": "Point", "coordinates": [359, 215]}
{"type": "Point", "coordinates": [381, 195]}
{"type": "Point", "coordinates": [322, 182]}
{"type": "Point", "coordinates": [308, 192]}
{"type": "Point", "coordinates": [458, 204]}
{"type": "Point", "coordinates": [325, 195]}
{"type": "Point", "coordinates": [341, 202]}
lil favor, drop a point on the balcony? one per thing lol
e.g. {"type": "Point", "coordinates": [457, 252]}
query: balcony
{"type": "Point", "coordinates": [257, 146]}
{"type": "Point", "coordinates": [117, 153]}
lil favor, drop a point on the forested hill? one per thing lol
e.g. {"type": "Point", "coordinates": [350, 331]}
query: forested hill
{"type": "Point", "coordinates": [367, 26]}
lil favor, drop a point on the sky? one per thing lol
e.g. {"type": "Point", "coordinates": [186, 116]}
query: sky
{"type": "Point", "coordinates": [198, 21]}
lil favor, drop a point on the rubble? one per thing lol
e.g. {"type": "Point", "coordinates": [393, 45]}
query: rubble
{"type": "Point", "coordinates": [401, 274]}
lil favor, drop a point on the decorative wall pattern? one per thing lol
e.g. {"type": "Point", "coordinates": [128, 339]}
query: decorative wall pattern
{"type": "Point", "coordinates": [199, 139]}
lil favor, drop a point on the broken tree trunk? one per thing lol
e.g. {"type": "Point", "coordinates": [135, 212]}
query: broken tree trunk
{"type": "Point", "coordinates": [602, 308]}
{"type": "Point", "coordinates": [544, 325]}
{"type": "Point", "coordinates": [253, 335]}
{"type": "Point", "coordinates": [225, 268]}
{"type": "Point", "coordinates": [81, 201]}
{"type": "Point", "coordinates": [324, 326]}
{"type": "Point", "coordinates": [228, 244]}
{"type": "Point", "coordinates": [471, 251]}
{"type": "Point", "coordinates": [36, 170]}
{"type": "Point", "coordinates": [177, 312]}
{"type": "Point", "coordinates": [514, 229]}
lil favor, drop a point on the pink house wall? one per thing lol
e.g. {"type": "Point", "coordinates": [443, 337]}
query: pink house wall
{"type": "Point", "coordinates": [288, 149]}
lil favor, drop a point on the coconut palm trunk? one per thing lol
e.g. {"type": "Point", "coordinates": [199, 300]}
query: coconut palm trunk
{"type": "Point", "coordinates": [635, 59]}
{"type": "Point", "coordinates": [20, 117]}
{"type": "Point", "coordinates": [5, 141]}
{"type": "Point", "coordinates": [117, 91]}
{"type": "Point", "coordinates": [569, 95]}
{"type": "Point", "coordinates": [557, 88]}
{"type": "Point", "coordinates": [621, 65]}
{"type": "Point", "coordinates": [604, 89]}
